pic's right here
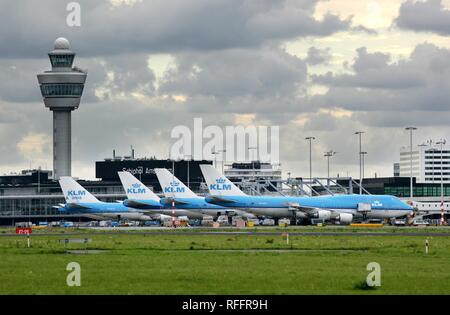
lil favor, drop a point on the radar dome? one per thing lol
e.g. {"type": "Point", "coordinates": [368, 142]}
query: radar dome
{"type": "Point", "coordinates": [62, 43]}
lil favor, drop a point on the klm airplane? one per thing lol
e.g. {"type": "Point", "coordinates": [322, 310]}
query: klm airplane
{"type": "Point", "coordinates": [142, 198]}
{"type": "Point", "coordinates": [179, 195]}
{"type": "Point", "coordinates": [80, 201]}
{"type": "Point", "coordinates": [339, 208]}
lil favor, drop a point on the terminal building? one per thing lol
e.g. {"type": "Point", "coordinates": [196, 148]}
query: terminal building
{"type": "Point", "coordinates": [261, 176]}
{"type": "Point", "coordinates": [33, 195]}
{"type": "Point", "coordinates": [428, 161]}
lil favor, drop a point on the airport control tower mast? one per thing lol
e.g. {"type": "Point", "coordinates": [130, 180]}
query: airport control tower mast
{"type": "Point", "coordinates": [61, 89]}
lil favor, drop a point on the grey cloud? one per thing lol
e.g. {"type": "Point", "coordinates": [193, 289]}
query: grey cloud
{"type": "Point", "coordinates": [427, 16]}
{"type": "Point", "coordinates": [159, 26]}
{"type": "Point", "coordinates": [365, 61]}
{"type": "Point", "coordinates": [318, 56]}
{"type": "Point", "coordinates": [18, 120]}
{"type": "Point", "coordinates": [420, 82]}
{"type": "Point", "coordinates": [236, 73]}
{"type": "Point", "coordinates": [403, 118]}
{"type": "Point", "coordinates": [18, 80]}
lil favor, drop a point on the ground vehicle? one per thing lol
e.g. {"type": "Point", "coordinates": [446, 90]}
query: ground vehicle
{"type": "Point", "coordinates": [420, 222]}
{"type": "Point", "coordinates": [103, 223]}
{"type": "Point", "coordinates": [234, 219]}
{"type": "Point", "coordinates": [255, 221]}
{"type": "Point", "coordinates": [222, 220]}
{"type": "Point", "coordinates": [195, 222]}
{"type": "Point", "coordinates": [23, 224]}
{"type": "Point", "coordinates": [398, 222]}
{"type": "Point", "coordinates": [268, 222]}
{"type": "Point", "coordinates": [284, 222]}
{"type": "Point", "coordinates": [207, 222]}
{"type": "Point", "coordinates": [152, 223]}
{"type": "Point", "coordinates": [67, 224]}
{"type": "Point", "coordinates": [317, 221]}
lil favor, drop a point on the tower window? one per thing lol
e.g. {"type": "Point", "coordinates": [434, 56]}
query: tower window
{"type": "Point", "coordinates": [61, 60]}
{"type": "Point", "coordinates": [61, 89]}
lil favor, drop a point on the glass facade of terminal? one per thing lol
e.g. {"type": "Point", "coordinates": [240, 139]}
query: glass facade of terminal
{"type": "Point", "coordinates": [32, 206]}
{"type": "Point", "coordinates": [61, 89]}
{"type": "Point", "coordinates": [418, 191]}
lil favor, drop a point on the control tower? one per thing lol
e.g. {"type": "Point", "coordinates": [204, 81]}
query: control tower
{"type": "Point", "coordinates": [61, 89]}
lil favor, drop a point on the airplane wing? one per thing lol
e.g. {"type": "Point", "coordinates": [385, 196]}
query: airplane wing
{"type": "Point", "coordinates": [306, 209]}
{"type": "Point", "coordinates": [76, 206]}
{"type": "Point", "coordinates": [169, 201]}
{"type": "Point", "coordinates": [218, 200]}
{"type": "Point", "coordinates": [135, 204]}
{"type": "Point", "coordinates": [310, 211]}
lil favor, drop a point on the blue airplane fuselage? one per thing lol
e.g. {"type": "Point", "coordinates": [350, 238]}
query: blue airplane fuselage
{"type": "Point", "coordinates": [382, 206]}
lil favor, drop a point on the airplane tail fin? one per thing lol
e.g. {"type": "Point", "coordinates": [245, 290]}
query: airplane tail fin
{"type": "Point", "coordinates": [74, 192]}
{"type": "Point", "coordinates": [172, 186]}
{"type": "Point", "coordinates": [218, 184]}
{"type": "Point", "coordinates": [135, 189]}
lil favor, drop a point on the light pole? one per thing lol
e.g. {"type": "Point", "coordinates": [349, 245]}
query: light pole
{"type": "Point", "coordinates": [188, 158]}
{"type": "Point", "coordinates": [329, 154]}
{"type": "Point", "coordinates": [360, 162]}
{"type": "Point", "coordinates": [253, 164]}
{"type": "Point", "coordinates": [173, 167]}
{"type": "Point", "coordinates": [411, 129]}
{"type": "Point", "coordinates": [442, 142]}
{"type": "Point", "coordinates": [215, 158]}
{"type": "Point", "coordinates": [223, 160]}
{"type": "Point", "coordinates": [363, 154]}
{"type": "Point", "coordinates": [310, 156]}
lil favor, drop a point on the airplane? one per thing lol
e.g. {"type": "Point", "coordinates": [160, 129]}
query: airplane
{"type": "Point", "coordinates": [142, 198]}
{"type": "Point", "coordinates": [79, 200]}
{"type": "Point", "coordinates": [179, 195]}
{"type": "Point", "coordinates": [338, 208]}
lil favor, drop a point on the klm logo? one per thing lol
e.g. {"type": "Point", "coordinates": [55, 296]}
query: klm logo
{"type": "Point", "coordinates": [376, 203]}
{"type": "Point", "coordinates": [74, 193]}
{"type": "Point", "coordinates": [136, 189]}
{"type": "Point", "coordinates": [220, 185]}
{"type": "Point", "coordinates": [174, 188]}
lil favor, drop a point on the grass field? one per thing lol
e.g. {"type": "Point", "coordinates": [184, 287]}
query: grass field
{"type": "Point", "coordinates": [225, 264]}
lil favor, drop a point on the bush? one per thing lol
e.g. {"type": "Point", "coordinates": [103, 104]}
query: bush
{"type": "Point", "coordinates": [363, 286]}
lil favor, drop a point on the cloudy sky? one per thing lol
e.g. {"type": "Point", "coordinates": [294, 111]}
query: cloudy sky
{"type": "Point", "coordinates": [321, 68]}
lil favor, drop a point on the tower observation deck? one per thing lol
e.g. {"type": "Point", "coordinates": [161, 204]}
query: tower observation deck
{"type": "Point", "coordinates": [61, 89]}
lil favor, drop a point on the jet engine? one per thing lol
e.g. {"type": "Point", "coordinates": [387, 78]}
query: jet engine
{"type": "Point", "coordinates": [345, 218]}
{"type": "Point", "coordinates": [323, 215]}
{"type": "Point", "coordinates": [301, 215]}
